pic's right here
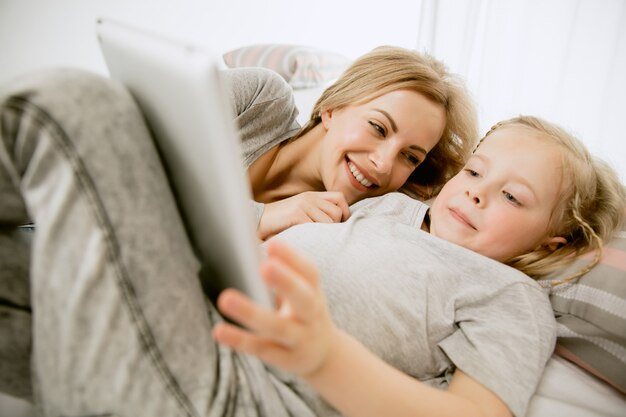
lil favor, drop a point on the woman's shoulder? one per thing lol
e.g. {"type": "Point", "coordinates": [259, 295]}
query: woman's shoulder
{"type": "Point", "coordinates": [255, 85]}
{"type": "Point", "coordinates": [264, 109]}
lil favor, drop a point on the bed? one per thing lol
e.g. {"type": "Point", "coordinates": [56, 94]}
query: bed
{"type": "Point", "coordinates": [586, 376]}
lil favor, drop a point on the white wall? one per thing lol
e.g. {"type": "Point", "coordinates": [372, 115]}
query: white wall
{"type": "Point", "coordinates": [564, 60]}
{"type": "Point", "coordinates": [37, 33]}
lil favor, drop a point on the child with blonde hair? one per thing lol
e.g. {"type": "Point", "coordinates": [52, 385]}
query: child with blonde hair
{"type": "Point", "coordinates": [591, 208]}
{"type": "Point", "coordinates": [382, 312]}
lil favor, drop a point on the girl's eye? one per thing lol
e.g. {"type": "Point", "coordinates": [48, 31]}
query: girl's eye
{"type": "Point", "coordinates": [412, 159]}
{"type": "Point", "coordinates": [471, 172]}
{"type": "Point", "coordinates": [379, 129]}
{"type": "Point", "coordinates": [510, 197]}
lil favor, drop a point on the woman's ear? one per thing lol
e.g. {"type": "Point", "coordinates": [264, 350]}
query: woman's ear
{"type": "Point", "coordinates": [327, 115]}
{"type": "Point", "coordinates": [555, 242]}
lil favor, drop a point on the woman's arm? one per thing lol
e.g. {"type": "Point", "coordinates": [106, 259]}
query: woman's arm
{"type": "Point", "coordinates": [300, 337]}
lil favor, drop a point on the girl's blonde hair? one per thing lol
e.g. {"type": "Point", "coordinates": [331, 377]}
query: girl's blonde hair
{"type": "Point", "coordinates": [591, 204]}
{"type": "Point", "coordinates": [387, 69]}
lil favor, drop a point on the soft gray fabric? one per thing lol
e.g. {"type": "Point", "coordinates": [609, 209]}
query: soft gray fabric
{"type": "Point", "coordinates": [15, 312]}
{"type": "Point", "coordinates": [427, 306]}
{"type": "Point", "coordinates": [264, 107]}
{"type": "Point", "coordinates": [120, 323]}
{"type": "Point", "coordinates": [266, 113]}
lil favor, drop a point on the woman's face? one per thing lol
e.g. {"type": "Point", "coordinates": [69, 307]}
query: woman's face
{"type": "Point", "coordinates": [371, 149]}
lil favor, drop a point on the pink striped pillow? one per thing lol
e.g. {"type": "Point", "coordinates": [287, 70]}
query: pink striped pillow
{"type": "Point", "coordinates": [591, 314]}
{"type": "Point", "coordinates": [301, 66]}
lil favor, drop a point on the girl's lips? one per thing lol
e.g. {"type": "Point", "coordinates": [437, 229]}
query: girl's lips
{"type": "Point", "coordinates": [462, 218]}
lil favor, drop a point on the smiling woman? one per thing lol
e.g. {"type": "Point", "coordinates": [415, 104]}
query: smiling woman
{"type": "Point", "coordinates": [372, 148]}
{"type": "Point", "coordinates": [394, 119]}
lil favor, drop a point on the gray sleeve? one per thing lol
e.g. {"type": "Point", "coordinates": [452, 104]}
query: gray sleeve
{"type": "Point", "coordinates": [520, 318]}
{"type": "Point", "coordinates": [264, 108]}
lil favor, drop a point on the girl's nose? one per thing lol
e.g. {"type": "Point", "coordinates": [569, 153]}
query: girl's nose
{"type": "Point", "coordinates": [476, 195]}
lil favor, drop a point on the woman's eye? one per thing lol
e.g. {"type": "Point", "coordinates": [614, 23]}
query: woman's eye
{"type": "Point", "coordinates": [510, 197]}
{"type": "Point", "coordinates": [412, 159]}
{"type": "Point", "coordinates": [379, 129]}
{"type": "Point", "coordinates": [471, 172]}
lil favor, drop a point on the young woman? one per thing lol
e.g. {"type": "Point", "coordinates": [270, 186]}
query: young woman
{"type": "Point", "coordinates": [414, 308]}
{"type": "Point", "coordinates": [394, 119]}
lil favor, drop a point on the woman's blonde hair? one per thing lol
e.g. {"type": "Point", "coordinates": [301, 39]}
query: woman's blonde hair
{"type": "Point", "coordinates": [387, 69]}
{"type": "Point", "coordinates": [590, 209]}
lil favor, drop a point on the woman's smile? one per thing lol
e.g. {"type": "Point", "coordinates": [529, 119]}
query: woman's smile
{"type": "Point", "coordinates": [359, 177]}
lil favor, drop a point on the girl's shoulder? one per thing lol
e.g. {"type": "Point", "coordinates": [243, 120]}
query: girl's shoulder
{"type": "Point", "coordinates": [396, 207]}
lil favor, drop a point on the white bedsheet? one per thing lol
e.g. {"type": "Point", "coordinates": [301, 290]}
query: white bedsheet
{"type": "Point", "coordinates": [570, 391]}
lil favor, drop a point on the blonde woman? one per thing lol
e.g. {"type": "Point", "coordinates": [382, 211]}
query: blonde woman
{"type": "Point", "coordinates": [395, 119]}
{"type": "Point", "coordinates": [412, 310]}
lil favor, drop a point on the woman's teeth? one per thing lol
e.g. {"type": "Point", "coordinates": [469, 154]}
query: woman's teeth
{"type": "Point", "coordinates": [359, 177]}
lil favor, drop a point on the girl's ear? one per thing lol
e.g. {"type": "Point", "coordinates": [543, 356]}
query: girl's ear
{"type": "Point", "coordinates": [327, 115]}
{"type": "Point", "coordinates": [555, 242]}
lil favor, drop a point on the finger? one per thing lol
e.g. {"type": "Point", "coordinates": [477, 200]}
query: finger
{"type": "Point", "coordinates": [243, 341]}
{"type": "Point", "coordinates": [332, 210]}
{"type": "Point", "coordinates": [337, 198]}
{"type": "Point", "coordinates": [267, 323]}
{"type": "Point", "coordinates": [299, 262]}
{"type": "Point", "coordinates": [317, 215]}
{"type": "Point", "coordinates": [302, 297]}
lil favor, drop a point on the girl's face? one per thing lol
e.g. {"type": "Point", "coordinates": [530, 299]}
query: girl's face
{"type": "Point", "coordinates": [500, 205]}
{"type": "Point", "coordinates": [371, 149]}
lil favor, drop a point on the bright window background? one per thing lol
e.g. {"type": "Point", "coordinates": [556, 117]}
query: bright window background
{"type": "Point", "coordinates": [564, 60]}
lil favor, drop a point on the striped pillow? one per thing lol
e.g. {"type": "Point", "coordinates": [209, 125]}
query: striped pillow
{"type": "Point", "coordinates": [301, 66]}
{"type": "Point", "coordinates": [591, 314]}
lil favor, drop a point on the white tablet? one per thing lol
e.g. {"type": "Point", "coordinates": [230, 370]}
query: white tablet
{"type": "Point", "coordinates": [177, 86]}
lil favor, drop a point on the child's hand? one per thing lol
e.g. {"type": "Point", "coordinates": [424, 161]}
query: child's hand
{"type": "Point", "coordinates": [306, 207]}
{"type": "Point", "coordinates": [299, 334]}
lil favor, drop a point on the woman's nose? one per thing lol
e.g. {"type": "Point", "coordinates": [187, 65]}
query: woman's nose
{"type": "Point", "coordinates": [382, 159]}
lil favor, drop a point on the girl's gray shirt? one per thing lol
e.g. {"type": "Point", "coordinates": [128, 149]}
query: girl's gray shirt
{"type": "Point", "coordinates": [424, 305]}
{"type": "Point", "coordinates": [427, 306]}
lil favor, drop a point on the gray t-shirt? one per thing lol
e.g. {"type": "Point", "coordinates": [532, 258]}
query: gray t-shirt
{"type": "Point", "coordinates": [265, 113]}
{"type": "Point", "coordinates": [427, 306]}
{"type": "Point", "coordinates": [265, 110]}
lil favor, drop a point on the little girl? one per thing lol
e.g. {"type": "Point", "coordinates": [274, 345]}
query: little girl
{"type": "Point", "coordinates": [384, 312]}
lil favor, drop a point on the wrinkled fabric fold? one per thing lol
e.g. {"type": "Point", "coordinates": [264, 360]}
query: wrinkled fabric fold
{"type": "Point", "coordinates": [120, 324]}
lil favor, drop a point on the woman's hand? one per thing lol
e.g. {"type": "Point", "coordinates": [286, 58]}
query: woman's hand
{"type": "Point", "coordinates": [306, 207]}
{"type": "Point", "coordinates": [298, 335]}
